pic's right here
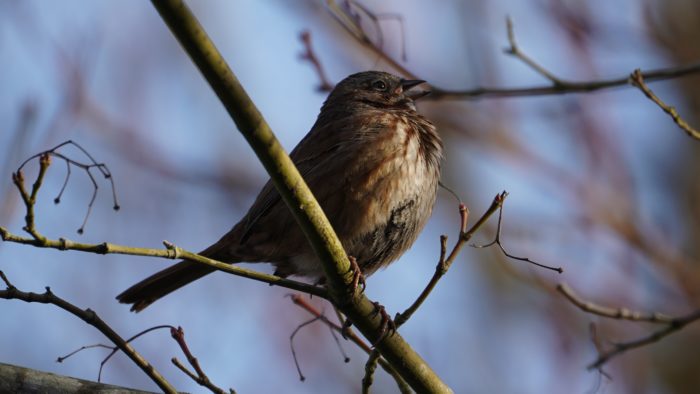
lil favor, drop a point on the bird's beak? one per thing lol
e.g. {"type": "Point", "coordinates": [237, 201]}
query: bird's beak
{"type": "Point", "coordinates": [408, 84]}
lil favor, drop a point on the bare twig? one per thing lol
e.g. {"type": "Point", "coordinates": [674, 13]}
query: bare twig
{"type": "Point", "coordinates": [604, 355]}
{"type": "Point", "coordinates": [375, 21]}
{"type": "Point", "coordinates": [621, 347]}
{"type": "Point", "coordinates": [301, 302]}
{"type": "Point", "coordinates": [440, 270]}
{"type": "Point", "coordinates": [351, 24]}
{"type": "Point", "coordinates": [200, 378]}
{"type": "Point", "coordinates": [91, 318]}
{"type": "Point", "coordinates": [291, 343]}
{"type": "Point", "coordinates": [444, 263]}
{"type": "Point", "coordinates": [637, 79]}
{"type": "Point", "coordinates": [44, 162]}
{"type": "Point", "coordinates": [370, 367]}
{"type": "Point", "coordinates": [595, 338]}
{"type": "Point", "coordinates": [319, 317]}
{"type": "Point", "coordinates": [325, 84]}
{"type": "Point", "coordinates": [514, 50]}
{"type": "Point", "coordinates": [114, 349]}
{"type": "Point", "coordinates": [558, 86]}
{"type": "Point", "coordinates": [497, 242]}
{"type": "Point", "coordinates": [613, 313]}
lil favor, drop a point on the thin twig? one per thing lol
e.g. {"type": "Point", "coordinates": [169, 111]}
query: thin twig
{"type": "Point", "coordinates": [514, 50]}
{"type": "Point", "coordinates": [370, 367]}
{"type": "Point", "coordinates": [621, 347]}
{"type": "Point", "coordinates": [444, 263]}
{"type": "Point", "coordinates": [114, 349]}
{"type": "Point", "coordinates": [291, 343]}
{"type": "Point", "coordinates": [310, 55]}
{"type": "Point", "coordinates": [201, 378]}
{"type": "Point", "coordinates": [301, 302]}
{"type": "Point", "coordinates": [351, 24]}
{"type": "Point", "coordinates": [497, 242]}
{"type": "Point", "coordinates": [672, 324]}
{"type": "Point", "coordinates": [613, 313]}
{"type": "Point", "coordinates": [44, 162]}
{"type": "Point", "coordinates": [91, 318]}
{"type": "Point", "coordinates": [637, 79]}
{"type": "Point", "coordinates": [558, 86]}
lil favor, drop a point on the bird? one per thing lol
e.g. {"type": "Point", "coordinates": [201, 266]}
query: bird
{"type": "Point", "coordinates": [372, 162]}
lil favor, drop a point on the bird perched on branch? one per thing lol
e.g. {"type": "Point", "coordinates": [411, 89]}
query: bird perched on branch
{"type": "Point", "coordinates": [373, 164]}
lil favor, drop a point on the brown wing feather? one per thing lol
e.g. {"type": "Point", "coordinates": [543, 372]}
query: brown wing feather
{"type": "Point", "coordinates": [234, 247]}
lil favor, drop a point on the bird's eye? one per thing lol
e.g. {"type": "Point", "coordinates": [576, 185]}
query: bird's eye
{"type": "Point", "coordinates": [379, 85]}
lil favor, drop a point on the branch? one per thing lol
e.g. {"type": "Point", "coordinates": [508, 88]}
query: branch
{"type": "Point", "coordinates": [637, 79]}
{"type": "Point", "coordinates": [613, 313]}
{"type": "Point", "coordinates": [621, 347]}
{"type": "Point", "coordinates": [301, 302]}
{"type": "Point", "coordinates": [672, 325]}
{"type": "Point", "coordinates": [14, 379]}
{"type": "Point", "coordinates": [444, 263]}
{"type": "Point", "coordinates": [201, 378]}
{"type": "Point", "coordinates": [170, 252]}
{"type": "Point", "coordinates": [309, 54]}
{"type": "Point", "coordinates": [91, 318]}
{"type": "Point", "coordinates": [296, 194]}
{"type": "Point", "coordinates": [558, 85]}
{"type": "Point", "coordinates": [497, 241]}
{"type": "Point", "coordinates": [44, 162]}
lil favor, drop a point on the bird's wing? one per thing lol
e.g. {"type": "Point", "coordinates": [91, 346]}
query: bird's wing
{"type": "Point", "coordinates": [306, 157]}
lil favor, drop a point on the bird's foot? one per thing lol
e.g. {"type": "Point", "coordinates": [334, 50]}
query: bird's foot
{"type": "Point", "coordinates": [358, 279]}
{"type": "Point", "coordinates": [387, 326]}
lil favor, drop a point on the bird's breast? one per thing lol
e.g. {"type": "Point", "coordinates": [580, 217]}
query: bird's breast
{"type": "Point", "coordinates": [390, 175]}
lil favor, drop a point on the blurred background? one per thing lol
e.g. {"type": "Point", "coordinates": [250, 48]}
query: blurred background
{"type": "Point", "coordinates": [604, 185]}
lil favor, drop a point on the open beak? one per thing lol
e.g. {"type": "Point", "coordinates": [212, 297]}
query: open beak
{"type": "Point", "coordinates": [408, 84]}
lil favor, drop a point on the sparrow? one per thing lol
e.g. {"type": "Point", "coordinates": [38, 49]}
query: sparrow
{"type": "Point", "coordinates": [372, 162]}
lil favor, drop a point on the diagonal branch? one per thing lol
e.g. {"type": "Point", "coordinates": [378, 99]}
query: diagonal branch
{"type": "Point", "coordinates": [672, 324]}
{"type": "Point", "coordinates": [91, 318]}
{"type": "Point", "coordinates": [296, 194]}
{"type": "Point", "coordinates": [637, 79]}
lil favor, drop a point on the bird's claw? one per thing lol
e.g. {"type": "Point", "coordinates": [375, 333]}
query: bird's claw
{"type": "Point", "coordinates": [358, 279]}
{"type": "Point", "coordinates": [387, 326]}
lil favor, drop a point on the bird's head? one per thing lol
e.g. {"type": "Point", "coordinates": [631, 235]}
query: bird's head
{"type": "Point", "coordinates": [377, 89]}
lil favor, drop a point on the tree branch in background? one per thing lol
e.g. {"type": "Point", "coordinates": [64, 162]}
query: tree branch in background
{"type": "Point", "coordinates": [44, 162]}
{"type": "Point", "coordinates": [91, 318]}
{"type": "Point", "coordinates": [325, 84]}
{"type": "Point", "coordinates": [672, 324]}
{"type": "Point", "coordinates": [558, 85]}
{"type": "Point", "coordinates": [637, 80]}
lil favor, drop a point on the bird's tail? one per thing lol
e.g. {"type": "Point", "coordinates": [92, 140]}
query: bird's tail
{"type": "Point", "coordinates": [162, 283]}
